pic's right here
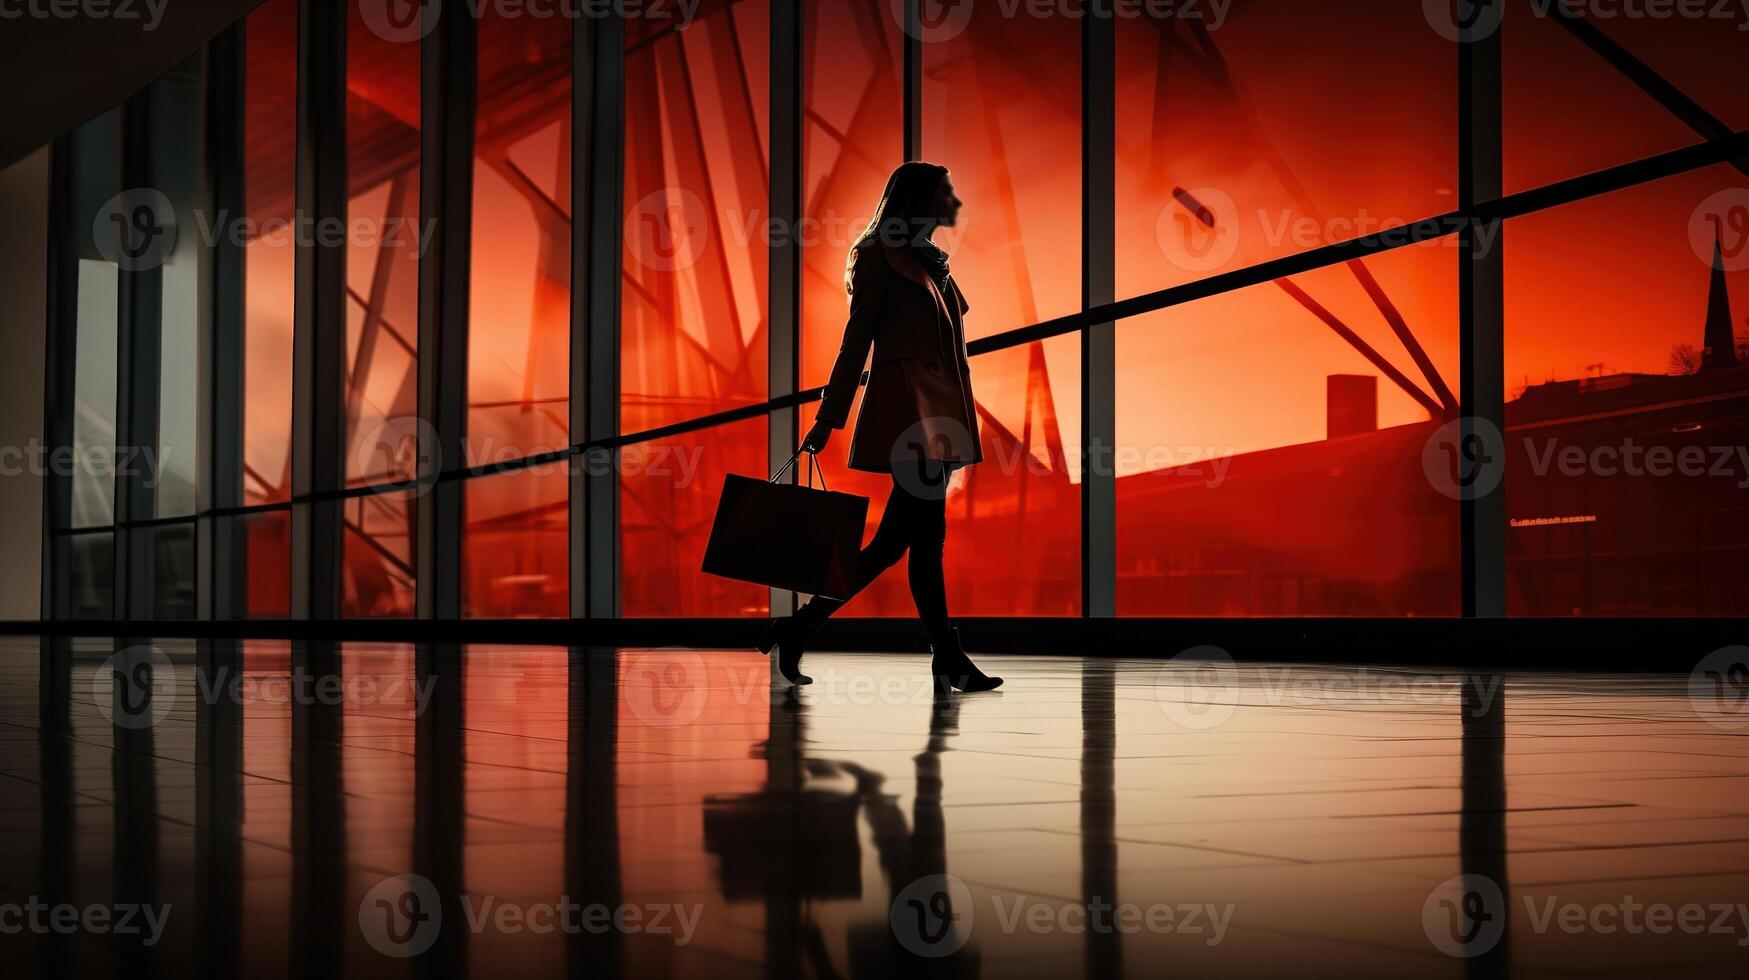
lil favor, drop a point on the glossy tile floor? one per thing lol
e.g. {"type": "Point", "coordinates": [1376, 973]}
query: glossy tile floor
{"type": "Point", "coordinates": [182, 809]}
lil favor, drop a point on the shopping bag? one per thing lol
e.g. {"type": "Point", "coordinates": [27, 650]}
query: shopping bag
{"type": "Point", "coordinates": [785, 535]}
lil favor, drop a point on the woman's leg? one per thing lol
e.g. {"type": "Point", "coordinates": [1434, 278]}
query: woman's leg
{"type": "Point", "coordinates": [926, 520]}
{"type": "Point", "coordinates": [883, 551]}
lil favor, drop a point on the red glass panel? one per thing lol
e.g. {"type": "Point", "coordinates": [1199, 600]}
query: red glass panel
{"type": "Point", "coordinates": [852, 138]}
{"type": "Point", "coordinates": [515, 550]}
{"type": "Point", "coordinates": [377, 554]}
{"type": "Point", "coordinates": [1284, 126]}
{"type": "Point", "coordinates": [693, 309]}
{"type": "Point", "coordinates": [668, 498]}
{"type": "Point", "coordinates": [1568, 111]}
{"type": "Point", "coordinates": [382, 323]}
{"type": "Point", "coordinates": [267, 542]}
{"type": "Point", "coordinates": [1627, 394]}
{"type": "Point", "coordinates": [1267, 467]}
{"type": "Point", "coordinates": [269, 193]}
{"type": "Point", "coordinates": [520, 292]}
{"type": "Point", "coordinates": [1002, 111]}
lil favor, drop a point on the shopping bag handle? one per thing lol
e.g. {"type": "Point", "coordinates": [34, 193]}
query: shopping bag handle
{"type": "Point", "coordinates": [813, 463]}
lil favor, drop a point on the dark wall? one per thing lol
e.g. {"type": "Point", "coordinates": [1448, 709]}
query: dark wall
{"type": "Point", "coordinates": [58, 72]}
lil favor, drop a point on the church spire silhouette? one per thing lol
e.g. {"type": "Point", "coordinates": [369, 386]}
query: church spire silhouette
{"type": "Point", "coordinates": [1721, 343]}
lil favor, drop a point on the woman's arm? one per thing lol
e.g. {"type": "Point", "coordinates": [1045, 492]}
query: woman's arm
{"type": "Point", "coordinates": [867, 296]}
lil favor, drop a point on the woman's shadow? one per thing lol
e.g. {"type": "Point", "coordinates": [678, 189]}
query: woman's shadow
{"type": "Point", "coordinates": [796, 840]}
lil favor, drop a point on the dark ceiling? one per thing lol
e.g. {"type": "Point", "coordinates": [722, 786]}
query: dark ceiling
{"type": "Point", "coordinates": [58, 72]}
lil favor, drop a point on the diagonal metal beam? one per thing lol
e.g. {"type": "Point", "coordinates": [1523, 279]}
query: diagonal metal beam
{"type": "Point", "coordinates": [1335, 323]}
{"type": "Point", "coordinates": [1400, 327]}
{"type": "Point", "coordinates": [1645, 78]}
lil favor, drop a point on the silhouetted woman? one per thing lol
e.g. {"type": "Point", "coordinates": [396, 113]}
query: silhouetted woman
{"type": "Point", "coordinates": [918, 422]}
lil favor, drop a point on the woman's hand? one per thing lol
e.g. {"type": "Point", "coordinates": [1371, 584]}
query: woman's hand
{"type": "Point", "coordinates": [817, 437]}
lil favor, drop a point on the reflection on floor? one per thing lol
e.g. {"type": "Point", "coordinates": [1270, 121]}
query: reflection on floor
{"type": "Point", "coordinates": [276, 810]}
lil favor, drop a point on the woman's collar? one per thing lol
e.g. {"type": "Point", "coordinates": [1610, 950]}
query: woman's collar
{"type": "Point", "coordinates": [904, 264]}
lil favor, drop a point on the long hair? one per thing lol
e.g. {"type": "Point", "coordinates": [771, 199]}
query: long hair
{"type": "Point", "coordinates": [909, 191]}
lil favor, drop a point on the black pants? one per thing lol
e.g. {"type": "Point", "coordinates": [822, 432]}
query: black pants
{"type": "Point", "coordinates": [916, 521]}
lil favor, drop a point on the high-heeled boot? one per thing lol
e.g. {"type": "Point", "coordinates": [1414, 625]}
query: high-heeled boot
{"type": "Point", "coordinates": [788, 634]}
{"type": "Point", "coordinates": [954, 670]}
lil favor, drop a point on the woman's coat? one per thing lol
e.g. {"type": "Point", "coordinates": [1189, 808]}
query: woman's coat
{"type": "Point", "coordinates": [919, 398]}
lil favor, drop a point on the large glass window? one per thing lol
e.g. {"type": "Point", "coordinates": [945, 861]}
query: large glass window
{"type": "Point", "coordinates": [852, 138]}
{"type": "Point", "coordinates": [1281, 127]}
{"type": "Point", "coordinates": [693, 310]}
{"type": "Point", "coordinates": [520, 288]}
{"type": "Point", "coordinates": [270, 84]}
{"type": "Point", "coordinates": [694, 292]}
{"type": "Point", "coordinates": [1569, 111]}
{"type": "Point", "coordinates": [1002, 111]}
{"type": "Point", "coordinates": [382, 314]}
{"type": "Point", "coordinates": [1268, 466]}
{"type": "Point", "coordinates": [1627, 371]}
{"type": "Point", "coordinates": [174, 107]}
{"type": "Point", "coordinates": [269, 188]}
{"type": "Point", "coordinates": [96, 162]}
{"type": "Point", "coordinates": [1278, 446]}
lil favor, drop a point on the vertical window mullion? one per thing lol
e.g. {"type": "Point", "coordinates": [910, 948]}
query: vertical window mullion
{"type": "Point", "coordinates": [1098, 340]}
